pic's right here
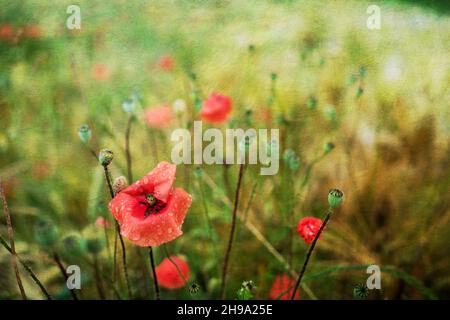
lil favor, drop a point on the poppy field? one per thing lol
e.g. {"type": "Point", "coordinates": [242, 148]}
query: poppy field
{"type": "Point", "coordinates": [224, 149]}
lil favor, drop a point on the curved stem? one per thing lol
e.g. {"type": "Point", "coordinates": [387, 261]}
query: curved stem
{"type": "Point", "coordinates": [64, 273]}
{"type": "Point", "coordinates": [11, 242]}
{"type": "Point", "coordinates": [308, 255]}
{"type": "Point", "coordinates": [233, 227]}
{"type": "Point", "coordinates": [155, 279]}
{"type": "Point", "coordinates": [122, 244]}
{"type": "Point", "coordinates": [28, 269]}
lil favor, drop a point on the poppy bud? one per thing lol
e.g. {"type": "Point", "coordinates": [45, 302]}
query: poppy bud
{"type": "Point", "coordinates": [128, 105]}
{"type": "Point", "coordinates": [119, 184]}
{"type": "Point", "coordinates": [329, 146]}
{"type": "Point", "coordinates": [179, 106]}
{"type": "Point", "coordinates": [291, 159]}
{"type": "Point", "coordinates": [105, 157]}
{"type": "Point", "coordinates": [45, 233]}
{"type": "Point", "coordinates": [273, 76]}
{"type": "Point", "coordinates": [335, 197]}
{"type": "Point", "coordinates": [85, 133]}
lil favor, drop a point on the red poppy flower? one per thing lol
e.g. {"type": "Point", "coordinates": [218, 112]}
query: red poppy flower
{"type": "Point", "coordinates": [159, 116]}
{"type": "Point", "coordinates": [100, 72]}
{"type": "Point", "coordinates": [165, 63]}
{"type": "Point", "coordinates": [280, 287]}
{"type": "Point", "coordinates": [308, 227]}
{"type": "Point", "coordinates": [150, 211]}
{"type": "Point", "coordinates": [168, 275]}
{"type": "Point", "coordinates": [216, 108]}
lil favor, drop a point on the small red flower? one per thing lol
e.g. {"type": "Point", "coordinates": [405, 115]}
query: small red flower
{"type": "Point", "coordinates": [169, 277]}
{"type": "Point", "coordinates": [150, 211]}
{"type": "Point", "coordinates": [100, 72]}
{"type": "Point", "coordinates": [308, 227]}
{"type": "Point", "coordinates": [159, 117]}
{"type": "Point", "coordinates": [102, 222]}
{"type": "Point", "coordinates": [216, 108]}
{"type": "Point", "coordinates": [165, 63]}
{"type": "Point", "coordinates": [6, 32]}
{"type": "Point", "coordinates": [280, 287]}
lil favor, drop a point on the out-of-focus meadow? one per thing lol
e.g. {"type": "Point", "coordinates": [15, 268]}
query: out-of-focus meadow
{"type": "Point", "coordinates": [310, 68]}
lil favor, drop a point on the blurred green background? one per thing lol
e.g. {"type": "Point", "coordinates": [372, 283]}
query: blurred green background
{"type": "Point", "coordinates": [380, 96]}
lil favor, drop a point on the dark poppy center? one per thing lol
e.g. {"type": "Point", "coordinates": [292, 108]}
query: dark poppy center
{"type": "Point", "coordinates": [153, 205]}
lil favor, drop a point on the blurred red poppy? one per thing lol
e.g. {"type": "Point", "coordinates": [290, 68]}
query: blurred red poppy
{"type": "Point", "coordinates": [169, 277]}
{"type": "Point", "coordinates": [32, 31]}
{"type": "Point", "coordinates": [216, 108]}
{"type": "Point", "coordinates": [159, 116]}
{"type": "Point", "coordinates": [282, 288]}
{"type": "Point", "coordinates": [100, 72]}
{"type": "Point", "coordinates": [308, 227]}
{"type": "Point", "coordinates": [6, 32]}
{"type": "Point", "coordinates": [165, 63]}
{"type": "Point", "coordinates": [102, 222]}
{"type": "Point", "coordinates": [150, 211]}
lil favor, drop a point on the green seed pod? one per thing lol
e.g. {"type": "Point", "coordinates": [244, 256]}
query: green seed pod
{"type": "Point", "coordinates": [328, 147]}
{"type": "Point", "coordinates": [273, 76]}
{"type": "Point", "coordinates": [335, 198]}
{"type": "Point", "coordinates": [359, 92]}
{"type": "Point", "coordinates": [128, 105]}
{"type": "Point", "coordinates": [360, 292]}
{"type": "Point", "coordinates": [198, 172]}
{"type": "Point", "coordinates": [74, 244]}
{"type": "Point", "coordinates": [272, 148]}
{"type": "Point", "coordinates": [94, 245]}
{"type": "Point", "coordinates": [330, 113]}
{"type": "Point", "coordinates": [194, 288]}
{"type": "Point", "coordinates": [119, 184]}
{"type": "Point", "coordinates": [105, 157]}
{"type": "Point", "coordinates": [85, 133]}
{"type": "Point", "coordinates": [45, 233]}
{"type": "Point", "coordinates": [291, 159]}
{"type": "Point", "coordinates": [312, 103]}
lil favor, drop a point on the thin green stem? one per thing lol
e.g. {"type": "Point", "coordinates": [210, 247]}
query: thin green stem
{"type": "Point", "coordinates": [122, 244]}
{"type": "Point", "coordinates": [11, 242]}
{"type": "Point", "coordinates": [232, 230]}
{"type": "Point", "coordinates": [155, 279]}
{"type": "Point", "coordinates": [127, 149]}
{"type": "Point", "coordinates": [64, 273]}
{"type": "Point", "coordinates": [28, 269]}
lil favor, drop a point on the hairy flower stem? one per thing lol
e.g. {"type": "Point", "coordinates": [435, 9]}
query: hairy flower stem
{"type": "Point", "coordinates": [174, 264]}
{"type": "Point", "coordinates": [11, 242]}
{"type": "Point", "coordinates": [64, 273]}
{"type": "Point", "coordinates": [127, 149]}
{"type": "Point", "coordinates": [311, 249]}
{"type": "Point", "coordinates": [28, 269]}
{"type": "Point", "coordinates": [155, 279]}
{"type": "Point", "coordinates": [233, 228]}
{"type": "Point", "coordinates": [122, 244]}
